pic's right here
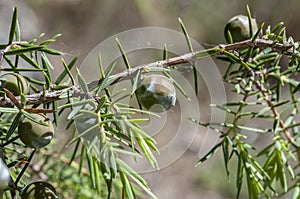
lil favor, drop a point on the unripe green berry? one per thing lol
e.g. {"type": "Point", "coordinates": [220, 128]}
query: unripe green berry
{"type": "Point", "coordinates": [238, 26]}
{"type": "Point", "coordinates": [156, 92]}
{"type": "Point", "coordinates": [4, 175]}
{"type": "Point", "coordinates": [36, 135]}
{"type": "Point", "coordinates": [39, 190]}
{"type": "Point", "coordinates": [15, 83]}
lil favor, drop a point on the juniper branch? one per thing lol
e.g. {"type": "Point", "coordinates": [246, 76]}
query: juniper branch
{"type": "Point", "coordinates": [276, 114]}
{"type": "Point", "coordinates": [50, 96]}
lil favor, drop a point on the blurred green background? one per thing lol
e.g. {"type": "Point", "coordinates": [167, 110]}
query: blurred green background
{"type": "Point", "coordinates": [85, 23]}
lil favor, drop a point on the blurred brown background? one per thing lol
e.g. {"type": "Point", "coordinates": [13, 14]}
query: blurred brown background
{"type": "Point", "coordinates": [85, 23]}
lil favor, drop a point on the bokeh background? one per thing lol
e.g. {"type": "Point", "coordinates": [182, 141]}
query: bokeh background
{"type": "Point", "coordinates": [85, 23]}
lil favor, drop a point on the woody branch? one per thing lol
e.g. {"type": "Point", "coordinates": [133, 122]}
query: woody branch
{"type": "Point", "coordinates": [50, 96]}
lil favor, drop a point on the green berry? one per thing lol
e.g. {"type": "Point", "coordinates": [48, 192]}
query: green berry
{"type": "Point", "coordinates": [39, 190]}
{"type": "Point", "coordinates": [4, 175]}
{"type": "Point", "coordinates": [36, 135]}
{"type": "Point", "coordinates": [15, 83]}
{"type": "Point", "coordinates": [238, 26]}
{"type": "Point", "coordinates": [156, 92]}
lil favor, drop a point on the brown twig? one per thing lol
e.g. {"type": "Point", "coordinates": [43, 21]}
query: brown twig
{"type": "Point", "coordinates": [261, 43]}
{"type": "Point", "coordinates": [50, 96]}
{"type": "Point", "coordinates": [38, 98]}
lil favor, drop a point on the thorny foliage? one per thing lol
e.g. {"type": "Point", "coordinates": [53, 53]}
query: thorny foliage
{"type": "Point", "coordinates": [266, 80]}
{"type": "Point", "coordinates": [262, 72]}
